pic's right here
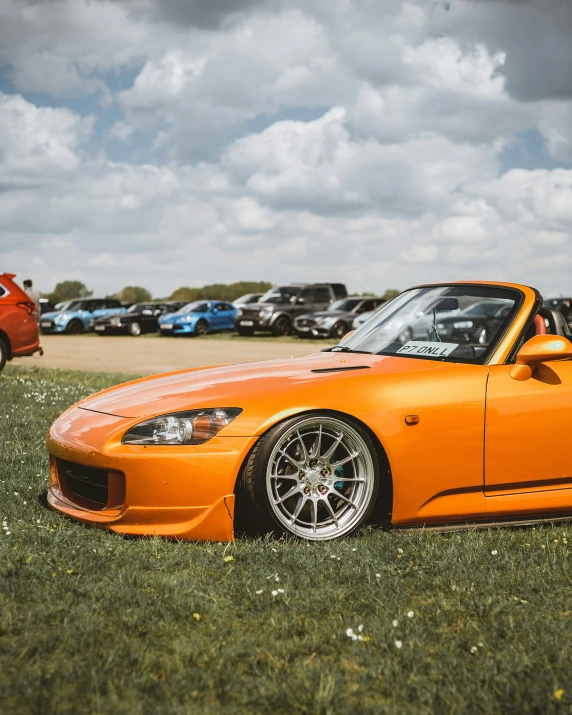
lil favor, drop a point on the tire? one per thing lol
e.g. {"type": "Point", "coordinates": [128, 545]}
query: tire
{"type": "Point", "coordinates": [135, 329]}
{"type": "Point", "coordinates": [281, 326]}
{"type": "Point", "coordinates": [338, 330]}
{"type": "Point", "coordinates": [74, 327]}
{"type": "Point", "coordinates": [3, 354]}
{"type": "Point", "coordinates": [201, 328]}
{"type": "Point", "coordinates": [245, 332]}
{"type": "Point", "coordinates": [315, 476]}
{"type": "Point", "coordinates": [481, 336]}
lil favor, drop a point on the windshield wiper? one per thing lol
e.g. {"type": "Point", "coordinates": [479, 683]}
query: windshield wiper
{"type": "Point", "coordinates": [344, 349]}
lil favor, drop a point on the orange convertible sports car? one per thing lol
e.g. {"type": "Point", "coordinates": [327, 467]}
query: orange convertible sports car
{"type": "Point", "coordinates": [450, 405]}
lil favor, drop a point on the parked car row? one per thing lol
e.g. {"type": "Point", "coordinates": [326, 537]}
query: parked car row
{"type": "Point", "coordinates": [308, 310]}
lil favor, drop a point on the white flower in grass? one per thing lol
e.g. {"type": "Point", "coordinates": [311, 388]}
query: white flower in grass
{"type": "Point", "coordinates": [395, 623]}
{"type": "Point", "coordinates": [378, 575]}
{"type": "Point", "coordinates": [259, 592]}
{"type": "Point", "coordinates": [400, 551]}
{"type": "Point", "coordinates": [473, 649]}
{"type": "Point", "coordinates": [398, 644]}
{"type": "Point", "coordinates": [494, 552]}
{"type": "Point", "coordinates": [410, 614]}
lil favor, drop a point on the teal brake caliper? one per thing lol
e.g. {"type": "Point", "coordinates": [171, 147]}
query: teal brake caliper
{"type": "Point", "coordinates": [339, 471]}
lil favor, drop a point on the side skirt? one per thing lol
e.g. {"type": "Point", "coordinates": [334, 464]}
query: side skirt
{"type": "Point", "coordinates": [474, 525]}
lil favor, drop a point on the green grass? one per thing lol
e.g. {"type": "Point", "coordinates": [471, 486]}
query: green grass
{"type": "Point", "coordinates": [92, 622]}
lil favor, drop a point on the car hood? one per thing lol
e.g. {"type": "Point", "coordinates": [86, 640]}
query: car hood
{"type": "Point", "coordinates": [260, 306]}
{"type": "Point", "coordinates": [329, 314]}
{"type": "Point", "coordinates": [54, 314]}
{"type": "Point", "coordinates": [173, 317]}
{"type": "Point", "coordinates": [240, 385]}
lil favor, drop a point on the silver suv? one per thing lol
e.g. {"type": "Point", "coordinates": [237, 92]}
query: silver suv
{"type": "Point", "coordinates": [277, 309]}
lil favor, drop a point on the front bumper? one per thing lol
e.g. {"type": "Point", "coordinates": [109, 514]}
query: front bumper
{"type": "Point", "coordinates": [107, 328]}
{"type": "Point", "coordinates": [178, 492]}
{"type": "Point", "coordinates": [178, 329]}
{"type": "Point", "coordinates": [318, 331]}
{"type": "Point", "coordinates": [52, 328]}
{"type": "Point", "coordinates": [254, 323]}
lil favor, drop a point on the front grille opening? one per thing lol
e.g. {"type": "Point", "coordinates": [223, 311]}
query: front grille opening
{"type": "Point", "coordinates": [90, 484]}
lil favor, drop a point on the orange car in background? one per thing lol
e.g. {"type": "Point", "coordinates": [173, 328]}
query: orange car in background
{"type": "Point", "coordinates": [467, 423]}
{"type": "Point", "coordinates": [18, 321]}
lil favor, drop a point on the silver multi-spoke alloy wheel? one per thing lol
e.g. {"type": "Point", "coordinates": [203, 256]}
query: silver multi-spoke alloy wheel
{"type": "Point", "coordinates": [320, 478]}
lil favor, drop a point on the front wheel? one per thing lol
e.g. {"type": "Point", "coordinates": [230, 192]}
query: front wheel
{"type": "Point", "coordinates": [74, 327]}
{"type": "Point", "coordinates": [201, 328]}
{"type": "Point", "coordinates": [135, 329]}
{"type": "Point", "coordinates": [3, 354]}
{"type": "Point", "coordinates": [339, 329]}
{"type": "Point", "coordinates": [314, 476]}
{"type": "Point", "coordinates": [281, 327]}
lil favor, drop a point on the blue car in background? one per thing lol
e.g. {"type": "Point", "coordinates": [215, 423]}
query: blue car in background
{"type": "Point", "coordinates": [199, 318]}
{"type": "Point", "coordinates": [76, 316]}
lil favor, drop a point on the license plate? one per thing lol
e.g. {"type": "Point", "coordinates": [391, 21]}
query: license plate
{"type": "Point", "coordinates": [166, 327]}
{"type": "Point", "coordinates": [246, 322]}
{"type": "Point", "coordinates": [99, 328]}
{"type": "Point", "coordinates": [45, 325]}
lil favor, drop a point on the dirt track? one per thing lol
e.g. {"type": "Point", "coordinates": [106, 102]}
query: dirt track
{"type": "Point", "coordinates": [147, 356]}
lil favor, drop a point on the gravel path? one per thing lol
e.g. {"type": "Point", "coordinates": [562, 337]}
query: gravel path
{"type": "Point", "coordinates": [151, 355]}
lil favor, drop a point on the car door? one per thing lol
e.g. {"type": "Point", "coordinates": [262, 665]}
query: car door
{"type": "Point", "coordinates": [304, 302]}
{"type": "Point", "coordinates": [322, 298]}
{"type": "Point", "coordinates": [528, 466]}
{"type": "Point", "coordinates": [98, 308]}
{"type": "Point", "coordinates": [215, 316]}
{"type": "Point", "coordinates": [227, 314]}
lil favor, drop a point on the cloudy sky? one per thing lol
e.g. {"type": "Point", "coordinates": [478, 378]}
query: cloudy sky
{"type": "Point", "coordinates": [377, 142]}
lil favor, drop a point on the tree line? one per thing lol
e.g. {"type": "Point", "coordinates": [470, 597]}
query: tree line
{"type": "Point", "coordinates": [68, 290]}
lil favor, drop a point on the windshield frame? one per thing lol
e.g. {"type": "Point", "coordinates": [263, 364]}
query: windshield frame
{"type": "Point", "coordinates": [512, 293]}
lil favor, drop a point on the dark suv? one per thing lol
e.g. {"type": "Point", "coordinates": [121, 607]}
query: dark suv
{"type": "Point", "coordinates": [277, 309]}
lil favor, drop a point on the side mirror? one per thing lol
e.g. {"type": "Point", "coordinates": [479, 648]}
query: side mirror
{"type": "Point", "coordinates": [301, 300]}
{"type": "Point", "coordinates": [539, 349]}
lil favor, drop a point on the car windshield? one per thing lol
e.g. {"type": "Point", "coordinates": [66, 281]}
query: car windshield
{"type": "Point", "coordinates": [346, 304]}
{"type": "Point", "coordinates": [137, 308]}
{"type": "Point", "coordinates": [73, 305]}
{"type": "Point", "coordinates": [249, 298]}
{"type": "Point", "coordinates": [486, 309]}
{"type": "Point", "coordinates": [439, 323]}
{"type": "Point", "coordinates": [197, 306]}
{"type": "Point", "coordinates": [284, 294]}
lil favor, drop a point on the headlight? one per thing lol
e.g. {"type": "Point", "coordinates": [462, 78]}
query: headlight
{"type": "Point", "coordinates": [192, 427]}
{"type": "Point", "coordinates": [115, 321]}
{"type": "Point", "coordinates": [61, 316]}
{"type": "Point", "coordinates": [239, 312]}
{"type": "Point", "coordinates": [463, 324]}
{"type": "Point", "coordinates": [265, 312]}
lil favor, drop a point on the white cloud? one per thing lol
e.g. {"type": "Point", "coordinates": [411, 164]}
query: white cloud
{"type": "Point", "coordinates": [386, 171]}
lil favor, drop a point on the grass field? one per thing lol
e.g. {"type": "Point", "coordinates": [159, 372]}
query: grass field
{"type": "Point", "coordinates": [90, 622]}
